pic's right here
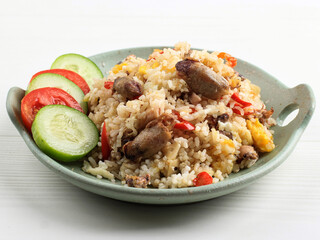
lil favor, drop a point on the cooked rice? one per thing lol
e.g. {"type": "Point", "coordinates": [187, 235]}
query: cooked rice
{"type": "Point", "coordinates": [188, 153]}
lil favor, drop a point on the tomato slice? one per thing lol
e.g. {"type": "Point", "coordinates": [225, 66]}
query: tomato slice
{"type": "Point", "coordinates": [35, 100]}
{"type": "Point", "coordinates": [72, 76]}
{"type": "Point", "coordinates": [105, 146]}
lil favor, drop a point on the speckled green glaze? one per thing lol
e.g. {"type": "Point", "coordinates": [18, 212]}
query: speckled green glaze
{"type": "Point", "coordinates": [273, 92]}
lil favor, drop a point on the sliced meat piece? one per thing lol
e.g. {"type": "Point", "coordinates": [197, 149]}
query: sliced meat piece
{"type": "Point", "coordinates": [137, 182]}
{"type": "Point", "coordinates": [194, 98]}
{"type": "Point", "coordinates": [127, 87]}
{"type": "Point", "coordinates": [150, 140]}
{"type": "Point", "coordinates": [201, 79]}
{"type": "Point", "coordinates": [248, 153]}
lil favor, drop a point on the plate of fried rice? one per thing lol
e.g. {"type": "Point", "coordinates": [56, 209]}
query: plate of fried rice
{"type": "Point", "coordinates": [180, 125]}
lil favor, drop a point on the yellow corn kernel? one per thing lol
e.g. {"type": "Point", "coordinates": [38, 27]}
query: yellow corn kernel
{"type": "Point", "coordinates": [261, 139]}
{"type": "Point", "coordinates": [143, 69]}
{"type": "Point", "coordinates": [157, 50]}
{"type": "Point", "coordinates": [155, 65]}
{"type": "Point", "coordinates": [117, 68]}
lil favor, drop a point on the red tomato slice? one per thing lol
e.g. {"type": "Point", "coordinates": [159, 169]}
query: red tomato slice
{"type": "Point", "coordinates": [35, 100]}
{"type": "Point", "coordinates": [72, 76]}
{"type": "Point", "coordinates": [105, 146]}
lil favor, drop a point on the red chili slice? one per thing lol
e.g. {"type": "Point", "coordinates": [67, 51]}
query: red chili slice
{"type": "Point", "coordinates": [108, 85]}
{"type": "Point", "coordinates": [105, 145]}
{"type": "Point", "coordinates": [185, 125]}
{"type": "Point", "coordinates": [202, 178]}
{"type": "Point", "coordinates": [72, 76]}
{"type": "Point", "coordinates": [36, 99]}
{"type": "Point", "coordinates": [235, 97]}
{"type": "Point", "coordinates": [182, 124]}
{"type": "Point", "coordinates": [230, 61]}
{"type": "Point", "coordinates": [175, 112]}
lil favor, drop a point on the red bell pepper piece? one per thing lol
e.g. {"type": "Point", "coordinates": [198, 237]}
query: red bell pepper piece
{"type": "Point", "coordinates": [105, 146]}
{"type": "Point", "coordinates": [108, 85]}
{"type": "Point", "coordinates": [202, 178]}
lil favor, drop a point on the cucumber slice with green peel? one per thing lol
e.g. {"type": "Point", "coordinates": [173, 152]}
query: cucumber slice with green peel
{"type": "Point", "coordinates": [58, 81]}
{"type": "Point", "coordinates": [79, 64]}
{"type": "Point", "coordinates": [63, 133]}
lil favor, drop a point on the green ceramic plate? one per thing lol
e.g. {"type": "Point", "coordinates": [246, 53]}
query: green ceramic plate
{"type": "Point", "coordinates": [283, 99]}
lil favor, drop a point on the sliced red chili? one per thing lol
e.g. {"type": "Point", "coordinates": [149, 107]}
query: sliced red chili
{"type": "Point", "coordinates": [202, 178]}
{"type": "Point", "coordinates": [193, 110]}
{"type": "Point", "coordinates": [185, 125]}
{"type": "Point", "coordinates": [105, 145]}
{"type": "Point", "coordinates": [108, 85]}
{"type": "Point", "coordinates": [175, 112]}
{"type": "Point", "coordinates": [235, 96]}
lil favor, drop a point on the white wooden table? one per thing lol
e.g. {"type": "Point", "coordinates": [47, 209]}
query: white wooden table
{"type": "Point", "coordinates": [282, 37]}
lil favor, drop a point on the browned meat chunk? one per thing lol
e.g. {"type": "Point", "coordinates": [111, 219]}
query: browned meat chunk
{"type": "Point", "coordinates": [265, 115]}
{"type": "Point", "coordinates": [248, 153]}
{"type": "Point", "coordinates": [127, 87]}
{"type": "Point", "coordinates": [202, 80]}
{"type": "Point", "coordinates": [213, 122]}
{"type": "Point", "coordinates": [194, 98]}
{"type": "Point", "coordinates": [127, 136]}
{"type": "Point", "coordinates": [137, 182]}
{"type": "Point", "coordinates": [150, 140]}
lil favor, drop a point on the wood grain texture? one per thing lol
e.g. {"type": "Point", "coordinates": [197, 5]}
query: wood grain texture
{"type": "Point", "coordinates": [282, 37]}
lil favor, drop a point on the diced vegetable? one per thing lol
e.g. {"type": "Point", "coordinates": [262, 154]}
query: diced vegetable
{"type": "Point", "coordinates": [108, 85]}
{"type": "Point", "coordinates": [235, 97]}
{"type": "Point", "coordinates": [230, 61]}
{"type": "Point", "coordinates": [185, 125]}
{"type": "Point", "coordinates": [202, 179]}
{"type": "Point", "coordinates": [182, 124]}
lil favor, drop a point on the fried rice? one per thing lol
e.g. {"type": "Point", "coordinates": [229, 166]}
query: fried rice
{"type": "Point", "coordinates": [212, 146]}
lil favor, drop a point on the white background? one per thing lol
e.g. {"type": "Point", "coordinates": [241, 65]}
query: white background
{"type": "Point", "coordinates": [281, 37]}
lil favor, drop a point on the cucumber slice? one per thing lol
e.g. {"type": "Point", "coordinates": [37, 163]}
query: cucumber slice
{"type": "Point", "coordinates": [79, 64]}
{"type": "Point", "coordinates": [58, 81]}
{"type": "Point", "coordinates": [63, 133]}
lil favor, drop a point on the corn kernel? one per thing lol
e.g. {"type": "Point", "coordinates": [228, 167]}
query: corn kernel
{"type": "Point", "coordinates": [143, 69]}
{"type": "Point", "coordinates": [117, 68]}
